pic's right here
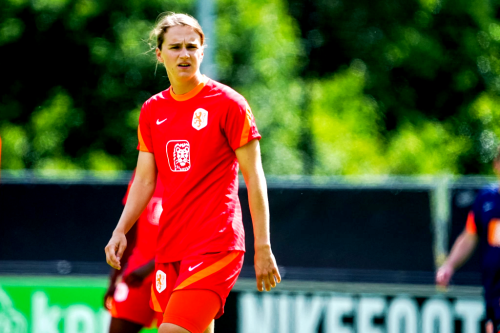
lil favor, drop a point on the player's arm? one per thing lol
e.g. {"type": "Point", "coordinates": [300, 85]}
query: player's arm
{"type": "Point", "coordinates": [461, 251]}
{"type": "Point", "coordinates": [115, 273]}
{"type": "Point", "coordinates": [140, 193]}
{"type": "Point", "coordinates": [266, 269]}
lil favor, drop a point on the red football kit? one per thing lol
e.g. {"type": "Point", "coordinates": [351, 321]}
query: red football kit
{"type": "Point", "coordinates": [194, 138]}
{"type": "Point", "coordinates": [132, 303]}
{"type": "Point", "coordinates": [201, 238]}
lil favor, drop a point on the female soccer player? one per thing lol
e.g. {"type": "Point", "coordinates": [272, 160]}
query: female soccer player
{"type": "Point", "coordinates": [195, 136]}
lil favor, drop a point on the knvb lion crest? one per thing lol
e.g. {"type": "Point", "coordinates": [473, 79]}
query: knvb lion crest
{"type": "Point", "coordinates": [178, 153]}
{"type": "Point", "coordinates": [200, 119]}
{"type": "Point", "coordinates": [161, 281]}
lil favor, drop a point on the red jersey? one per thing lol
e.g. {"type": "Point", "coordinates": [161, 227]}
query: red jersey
{"type": "Point", "coordinates": [194, 138]}
{"type": "Point", "coordinates": [147, 231]}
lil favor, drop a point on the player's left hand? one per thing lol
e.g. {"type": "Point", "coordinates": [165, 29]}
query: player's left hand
{"type": "Point", "coordinates": [115, 248]}
{"type": "Point", "coordinates": [266, 269]}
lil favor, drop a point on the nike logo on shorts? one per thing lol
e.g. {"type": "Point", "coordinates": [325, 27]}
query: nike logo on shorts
{"type": "Point", "coordinates": [193, 267]}
{"type": "Point", "coordinates": [158, 122]}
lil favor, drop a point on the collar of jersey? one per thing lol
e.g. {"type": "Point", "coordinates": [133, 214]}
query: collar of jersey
{"type": "Point", "coordinates": [192, 93]}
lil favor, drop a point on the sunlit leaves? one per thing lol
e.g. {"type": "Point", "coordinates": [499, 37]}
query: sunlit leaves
{"type": "Point", "coordinates": [50, 125]}
{"type": "Point", "coordinates": [345, 125]}
{"type": "Point", "coordinates": [427, 147]}
{"type": "Point", "coordinates": [10, 30]}
{"type": "Point", "coordinates": [98, 160]}
{"type": "Point", "coordinates": [15, 145]}
{"type": "Point", "coordinates": [257, 55]}
{"type": "Point", "coordinates": [54, 5]}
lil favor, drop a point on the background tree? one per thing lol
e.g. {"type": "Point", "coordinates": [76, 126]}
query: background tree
{"type": "Point", "coordinates": [337, 87]}
{"type": "Point", "coordinates": [430, 80]}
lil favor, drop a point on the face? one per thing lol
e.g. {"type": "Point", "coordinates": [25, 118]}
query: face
{"type": "Point", "coordinates": [181, 53]}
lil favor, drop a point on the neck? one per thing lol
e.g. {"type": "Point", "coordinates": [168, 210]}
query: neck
{"type": "Point", "coordinates": [183, 87]}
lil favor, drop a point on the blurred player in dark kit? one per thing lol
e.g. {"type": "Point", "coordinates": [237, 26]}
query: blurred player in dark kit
{"type": "Point", "coordinates": [129, 294]}
{"type": "Point", "coordinates": [482, 230]}
{"type": "Point", "coordinates": [196, 135]}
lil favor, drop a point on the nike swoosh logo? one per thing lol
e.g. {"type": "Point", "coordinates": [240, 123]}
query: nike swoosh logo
{"type": "Point", "coordinates": [191, 268]}
{"type": "Point", "coordinates": [158, 122]}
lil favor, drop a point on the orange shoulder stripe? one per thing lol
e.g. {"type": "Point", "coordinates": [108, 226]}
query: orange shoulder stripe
{"type": "Point", "coordinates": [470, 225]}
{"type": "Point", "coordinates": [245, 133]}
{"type": "Point", "coordinates": [142, 145]}
{"type": "Point", "coordinates": [156, 304]}
{"type": "Point", "coordinates": [209, 270]}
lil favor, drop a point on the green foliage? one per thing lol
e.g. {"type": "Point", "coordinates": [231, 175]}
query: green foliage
{"type": "Point", "coordinates": [337, 87]}
{"type": "Point", "coordinates": [346, 125]}
{"type": "Point", "coordinates": [14, 146]}
{"type": "Point", "coordinates": [83, 68]}
{"type": "Point", "coordinates": [426, 148]}
{"type": "Point", "coordinates": [432, 70]}
{"type": "Point", "coordinates": [257, 47]}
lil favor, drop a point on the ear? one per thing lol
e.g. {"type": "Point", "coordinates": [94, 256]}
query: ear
{"type": "Point", "coordinates": [158, 55]}
{"type": "Point", "coordinates": [202, 54]}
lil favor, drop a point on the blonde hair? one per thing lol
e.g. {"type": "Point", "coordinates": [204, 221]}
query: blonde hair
{"type": "Point", "coordinates": [170, 19]}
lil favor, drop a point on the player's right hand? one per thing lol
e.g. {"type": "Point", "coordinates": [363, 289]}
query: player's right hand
{"type": "Point", "coordinates": [115, 248]}
{"type": "Point", "coordinates": [444, 274]}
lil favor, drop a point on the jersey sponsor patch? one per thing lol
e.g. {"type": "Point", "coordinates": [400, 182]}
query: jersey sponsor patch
{"type": "Point", "coordinates": [200, 119]}
{"type": "Point", "coordinates": [494, 232]}
{"type": "Point", "coordinates": [161, 281]}
{"type": "Point", "coordinates": [179, 155]}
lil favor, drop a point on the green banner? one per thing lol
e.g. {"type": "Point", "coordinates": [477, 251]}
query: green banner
{"type": "Point", "coordinates": [53, 305]}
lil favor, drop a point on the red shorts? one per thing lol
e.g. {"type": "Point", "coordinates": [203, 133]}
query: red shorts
{"type": "Point", "coordinates": [212, 271]}
{"type": "Point", "coordinates": [132, 304]}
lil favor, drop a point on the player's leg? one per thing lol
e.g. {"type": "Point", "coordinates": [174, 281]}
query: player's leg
{"type": "Point", "coordinates": [130, 310]}
{"type": "Point", "coordinates": [123, 326]}
{"type": "Point", "coordinates": [210, 328]}
{"type": "Point", "coordinates": [171, 328]}
{"type": "Point", "coordinates": [493, 318]}
{"type": "Point", "coordinates": [489, 327]}
{"type": "Point", "coordinates": [191, 311]}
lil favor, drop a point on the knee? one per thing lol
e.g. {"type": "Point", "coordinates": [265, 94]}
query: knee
{"type": "Point", "coordinates": [171, 328]}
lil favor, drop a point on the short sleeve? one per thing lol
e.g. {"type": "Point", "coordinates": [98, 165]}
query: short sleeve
{"type": "Point", "coordinates": [240, 127]}
{"type": "Point", "coordinates": [144, 130]}
{"type": "Point", "coordinates": [470, 225]}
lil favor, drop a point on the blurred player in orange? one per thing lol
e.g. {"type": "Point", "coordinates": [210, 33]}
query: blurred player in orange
{"type": "Point", "coordinates": [195, 136]}
{"type": "Point", "coordinates": [482, 229]}
{"type": "Point", "coordinates": [129, 293]}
